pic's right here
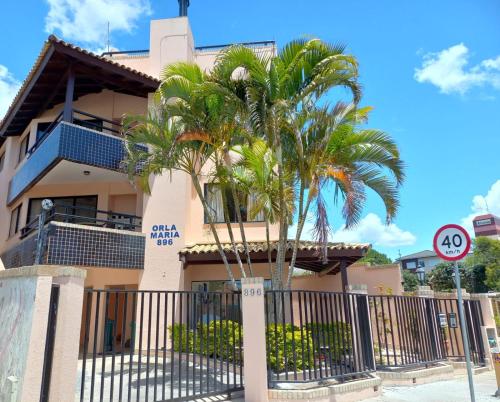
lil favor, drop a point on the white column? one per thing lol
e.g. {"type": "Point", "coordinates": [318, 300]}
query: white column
{"type": "Point", "coordinates": [254, 340]}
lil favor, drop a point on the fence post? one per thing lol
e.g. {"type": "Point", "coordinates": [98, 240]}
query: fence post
{"type": "Point", "coordinates": [361, 348]}
{"type": "Point", "coordinates": [488, 327]}
{"type": "Point", "coordinates": [425, 291]}
{"type": "Point", "coordinates": [254, 339]}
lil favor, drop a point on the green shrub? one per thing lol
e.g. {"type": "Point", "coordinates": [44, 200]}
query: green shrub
{"type": "Point", "coordinates": [335, 337]}
{"type": "Point", "coordinates": [203, 340]}
{"type": "Point", "coordinates": [182, 338]}
{"type": "Point", "coordinates": [304, 351]}
{"type": "Point", "coordinates": [220, 338]}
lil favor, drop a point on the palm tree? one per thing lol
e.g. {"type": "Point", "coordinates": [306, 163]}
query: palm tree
{"type": "Point", "coordinates": [277, 91]}
{"type": "Point", "coordinates": [163, 142]}
{"type": "Point", "coordinates": [261, 124]}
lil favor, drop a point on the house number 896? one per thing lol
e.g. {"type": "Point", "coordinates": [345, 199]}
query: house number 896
{"type": "Point", "coordinates": [252, 292]}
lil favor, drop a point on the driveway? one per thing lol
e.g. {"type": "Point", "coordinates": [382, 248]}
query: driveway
{"type": "Point", "coordinates": [117, 381]}
{"type": "Point", "coordinates": [456, 390]}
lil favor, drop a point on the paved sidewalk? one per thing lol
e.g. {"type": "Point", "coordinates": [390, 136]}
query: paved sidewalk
{"type": "Point", "coordinates": [456, 390]}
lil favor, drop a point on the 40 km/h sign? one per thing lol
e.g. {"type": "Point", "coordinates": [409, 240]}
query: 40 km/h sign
{"type": "Point", "coordinates": [451, 242]}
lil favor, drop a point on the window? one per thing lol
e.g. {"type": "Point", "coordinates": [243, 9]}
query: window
{"type": "Point", "coordinates": [2, 161]}
{"type": "Point", "coordinates": [70, 209]}
{"type": "Point", "coordinates": [23, 148]}
{"type": "Point", "coordinates": [14, 221]}
{"type": "Point", "coordinates": [213, 195]}
{"type": "Point", "coordinates": [93, 124]}
{"type": "Point", "coordinates": [41, 129]}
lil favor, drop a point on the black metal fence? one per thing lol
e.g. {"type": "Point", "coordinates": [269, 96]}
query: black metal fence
{"type": "Point", "coordinates": [452, 334]}
{"type": "Point", "coordinates": [315, 336]}
{"type": "Point", "coordinates": [417, 331]}
{"type": "Point", "coordinates": [160, 345]}
{"type": "Point", "coordinates": [405, 331]}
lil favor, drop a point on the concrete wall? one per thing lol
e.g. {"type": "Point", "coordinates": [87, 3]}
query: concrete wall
{"type": "Point", "coordinates": [382, 279]}
{"type": "Point", "coordinates": [16, 315]}
{"type": "Point", "coordinates": [24, 307]}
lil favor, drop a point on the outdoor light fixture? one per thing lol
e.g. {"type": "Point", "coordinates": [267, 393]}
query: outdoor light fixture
{"type": "Point", "coordinates": [47, 206]}
{"type": "Point", "coordinates": [420, 275]}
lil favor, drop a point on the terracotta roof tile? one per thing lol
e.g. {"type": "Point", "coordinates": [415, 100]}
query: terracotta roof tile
{"type": "Point", "coordinates": [258, 246]}
{"type": "Point", "coordinates": [52, 39]}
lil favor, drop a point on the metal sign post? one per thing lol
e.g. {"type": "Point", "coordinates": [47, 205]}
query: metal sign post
{"type": "Point", "coordinates": [452, 243]}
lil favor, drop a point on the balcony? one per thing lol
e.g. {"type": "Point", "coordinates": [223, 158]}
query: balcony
{"type": "Point", "coordinates": [89, 140]}
{"type": "Point", "coordinates": [84, 238]}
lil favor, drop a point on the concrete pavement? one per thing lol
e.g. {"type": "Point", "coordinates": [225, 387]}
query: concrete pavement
{"type": "Point", "coordinates": [456, 390]}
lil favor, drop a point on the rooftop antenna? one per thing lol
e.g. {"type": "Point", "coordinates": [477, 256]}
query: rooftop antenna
{"type": "Point", "coordinates": [183, 8]}
{"type": "Point", "coordinates": [108, 36]}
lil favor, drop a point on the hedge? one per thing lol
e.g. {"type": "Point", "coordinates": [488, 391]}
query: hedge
{"type": "Point", "coordinates": [310, 343]}
{"type": "Point", "coordinates": [203, 340]}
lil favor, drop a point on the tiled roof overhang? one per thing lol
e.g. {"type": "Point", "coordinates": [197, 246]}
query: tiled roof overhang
{"type": "Point", "coordinates": [45, 85]}
{"type": "Point", "coordinates": [309, 255]}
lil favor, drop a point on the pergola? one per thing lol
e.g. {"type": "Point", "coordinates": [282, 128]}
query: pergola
{"type": "Point", "coordinates": [309, 255]}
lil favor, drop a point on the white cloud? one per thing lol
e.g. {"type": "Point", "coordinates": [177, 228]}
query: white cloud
{"type": "Point", "coordinates": [370, 229]}
{"type": "Point", "coordinates": [8, 89]}
{"type": "Point", "coordinates": [489, 203]}
{"type": "Point", "coordinates": [449, 71]}
{"type": "Point", "coordinates": [86, 21]}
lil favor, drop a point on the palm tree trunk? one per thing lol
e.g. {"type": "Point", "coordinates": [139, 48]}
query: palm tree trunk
{"type": "Point", "coordinates": [269, 251]}
{"type": "Point", "coordinates": [300, 227]}
{"type": "Point", "coordinates": [197, 187]}
{"type": "Point", "coordinates": [231, 236]}
{"type": "Point", "coordinates": [237, 206]}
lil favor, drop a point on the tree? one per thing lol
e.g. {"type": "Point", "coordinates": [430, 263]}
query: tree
{"type": "Point", "coordinates": [485, 264]}
{"type": "Point", "coordinates": [410, 281]}
{"type": "Point", "coordinates": [441, 277]}
{"type": "Point", "coordinates": [374, 257]}
{"type": "Point", "coordinates": [259, 126]}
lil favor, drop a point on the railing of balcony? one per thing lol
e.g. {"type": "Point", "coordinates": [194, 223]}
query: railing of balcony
{"type": "Point", "coordinates": [145, 52]}
{"type": "Point", "coordinates": [87, 216]}
{"type": "Point", "coordinates": [83, 119]}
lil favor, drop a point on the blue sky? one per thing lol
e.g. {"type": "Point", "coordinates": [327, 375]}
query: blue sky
{"type": "Point", "coordinates": [430, 69]}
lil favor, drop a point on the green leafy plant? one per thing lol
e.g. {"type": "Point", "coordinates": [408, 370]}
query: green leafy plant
{"type": "Point", "coordinates": [219, 338]}
{"type": "Point", "coordinates": [335, 336]}
{"type": "Point", "coordinates": [280, 351]}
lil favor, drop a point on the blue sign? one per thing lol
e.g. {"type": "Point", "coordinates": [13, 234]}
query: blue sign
{"type": "Point", "coordinates": [164, 234]}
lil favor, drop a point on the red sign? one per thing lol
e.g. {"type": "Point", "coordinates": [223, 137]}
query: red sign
{"type": "Point", "coordinates": [451, 242]}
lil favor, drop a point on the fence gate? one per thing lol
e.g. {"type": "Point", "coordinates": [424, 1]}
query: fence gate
{"type": "Point", "coordinates": [415, 331]}
{"type": "Point", "coordinates": [405, 331]}
{"type": "Point", "coordinates": [452, 334]}
{"type": "Point", "coordinates": [314, 336]}
{"type": "Point", "coordinates": [159, 345]}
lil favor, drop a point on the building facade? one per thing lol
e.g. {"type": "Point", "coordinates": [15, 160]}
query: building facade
{"type": "Point", "coordinates": [426, 259]}
{"type": "Point", "coordinates": [61, 140]}
{"type": "Point", "coordinates": [487, 225]}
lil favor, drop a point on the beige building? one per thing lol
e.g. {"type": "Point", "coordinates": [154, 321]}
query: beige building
{"type": "Point", "coordinates": [61, 139]}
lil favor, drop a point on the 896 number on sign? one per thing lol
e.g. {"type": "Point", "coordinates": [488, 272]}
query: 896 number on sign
{"type": "Point", "coordinates": [252, 292]}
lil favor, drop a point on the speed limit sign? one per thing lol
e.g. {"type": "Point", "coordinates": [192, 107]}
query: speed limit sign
{"type": "Point", "coordinates": [451, 242]}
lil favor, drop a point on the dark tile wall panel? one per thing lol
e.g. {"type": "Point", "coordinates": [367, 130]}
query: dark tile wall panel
{"type": "Point", "coordinates": [23, 254]}
{"type": "Point", "coordinates": [45, 156]}
{"type": "Point", "coordinates": [73, 143]}
{"type": "Point", "coordinates": [74, 245]}
{"type": "Point", "coordinates": [86, 146]}
{"type": "Point", "coordinates": [93, 247]}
